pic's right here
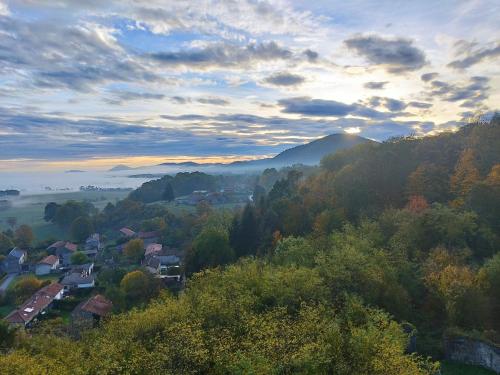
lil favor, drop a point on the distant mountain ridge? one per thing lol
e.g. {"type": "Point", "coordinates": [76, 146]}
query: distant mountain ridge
{"type": "Point", "coordinates": [120, 167]}
{"type": "Point", "coordinates": [308, 154]}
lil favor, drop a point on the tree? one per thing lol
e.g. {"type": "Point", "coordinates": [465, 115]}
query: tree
{"type": "Point", "coordinates": [7, 336]}
{"type": "Point", "coordinates": [493, 178]}
{"type": "Point", "coordinates": [168, 193]}
{"type": "Point", "coordinates": [24, 236]}
{"type": "Point", "coordinates": [134, 249]}
{"type": "Point", "coordinates": [50, 211]}
{"type": "Point", "coordinates": [417, 204]}
{"type": "Point", "coordinates": [25, 287]}
{"type": "Point", "coordinates": [138, 287]}
{"type": "Point", "coordinates": [244, 235]}
{"type": "Point", "coordinates": [81, 228]}
{"type": "Point", "coordinates": [6, 244]}
{"type": "Point", "coordinates": [430, 181]}
{"type": "Point", "coordinates": [79, 258]}
{"type": "Point", "coordinates": [466, 174]}
{"type": "Point", "coordinates": [210, 248]}
{"type": "Point", "coordinates": [70, 210]}
{"type": "Point", "coordinates": [489, 277]}
{"type": "Point", "coordinates": [12, 221]}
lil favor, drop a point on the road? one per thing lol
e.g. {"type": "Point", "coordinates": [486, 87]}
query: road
{"type": "Point", "coordinates": [6, 282]}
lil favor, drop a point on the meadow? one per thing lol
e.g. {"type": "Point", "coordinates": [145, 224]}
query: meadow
{"type": "Point", "coordinates": [29, 209]}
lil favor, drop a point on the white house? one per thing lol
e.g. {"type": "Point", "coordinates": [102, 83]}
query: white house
{"type": "Point", "coordinates": [47, 265]}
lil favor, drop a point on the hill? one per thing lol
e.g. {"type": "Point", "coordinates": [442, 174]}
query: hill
{"type": "Point", "coordinates": [312, 153]}
{"type": "Point", "coordinates": [120, 167]}
{"type": "Point", "coordinates": [308, 154]}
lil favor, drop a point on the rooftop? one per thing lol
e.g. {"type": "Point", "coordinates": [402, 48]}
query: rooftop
{"type": "Point", "coordinates": [17, 253]}
{"type": "Point", "coordinates": [51, 260]}
{"type": "Point", "coordinates": [98, 305]}
{"type": "Point", "coordinates": [35, 304]}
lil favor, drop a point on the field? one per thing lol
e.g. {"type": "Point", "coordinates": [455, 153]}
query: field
{"type": "Point", "coordinates": [28, 209]}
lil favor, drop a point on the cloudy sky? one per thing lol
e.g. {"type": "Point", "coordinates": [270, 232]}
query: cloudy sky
{"type": "Point", "coordinates": [95, 83]}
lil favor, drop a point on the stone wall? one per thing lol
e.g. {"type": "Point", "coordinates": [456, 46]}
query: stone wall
{"type": "Point", "coordinates": [473, 352]}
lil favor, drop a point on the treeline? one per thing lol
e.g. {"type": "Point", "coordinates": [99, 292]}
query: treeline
{"type": "Point", "coordinates": [169, 187]}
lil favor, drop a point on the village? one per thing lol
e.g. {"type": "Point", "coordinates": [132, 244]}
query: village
{"type": "Point", "coordinates": [70, 273]}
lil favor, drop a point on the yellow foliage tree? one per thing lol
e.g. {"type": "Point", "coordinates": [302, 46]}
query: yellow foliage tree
{"type": "Point", "coordinates": [465, 176]}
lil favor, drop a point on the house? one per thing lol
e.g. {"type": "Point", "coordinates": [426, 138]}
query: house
{"type": "Point", "coordinates": [93, 242]}
{"type": "Point", "coordinates": [14, 260]}
{"type": "Point", "coordinates": [153, 265]}
{"type": "Point", "coordinates": [47, 265]}
{"type": "Point", "coordinates": [75, 280]}
{"type": "Point", "coordinates": [37, 304]}
{"type": "Point", "coordinates": [79, 277]}
{"type": "Point", "coordinates": [85, 268]}
{"type": "Point", "coordinates": [149, 237]}
{"type": "Point", "coordinates": [154, 248]}
{"type": "Point", "coordinates": [64, 250]}
{"type": "Point", "coordinates": [90, 312]}
{"type": "Point", "coordinates": [92, 245]}
{"type": "Point", "coordinates": [127, 232]}
{"type": "Point", "coordinates": [165, 264]}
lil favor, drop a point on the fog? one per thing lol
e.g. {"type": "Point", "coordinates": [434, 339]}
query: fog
{"type": "Point", "coordinates": [50, 181]}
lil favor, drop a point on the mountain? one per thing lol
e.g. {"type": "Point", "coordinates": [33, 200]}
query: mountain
{"type": "Point", "coordinates": [120, 167]}
{"type": "Point", "coordinates": [309, 154]}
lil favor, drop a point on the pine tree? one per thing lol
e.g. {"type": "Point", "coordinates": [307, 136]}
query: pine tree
{"type": "Point", "coordinates": [168, 193]}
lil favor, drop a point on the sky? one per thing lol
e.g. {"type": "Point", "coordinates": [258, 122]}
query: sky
{"type": "Point", "coordinates": [91, 84]}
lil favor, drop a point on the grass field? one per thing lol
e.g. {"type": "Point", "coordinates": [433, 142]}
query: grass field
{"type": "Point", "coordinates": [28, 209]}
{"type": "Point", "coordinates": [451, 368]}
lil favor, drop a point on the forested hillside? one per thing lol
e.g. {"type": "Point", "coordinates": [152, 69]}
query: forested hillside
{"type": "Point", "coordinates": [329, 273]}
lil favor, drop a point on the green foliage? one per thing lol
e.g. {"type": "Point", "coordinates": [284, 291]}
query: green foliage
{"type": "Point", "coordinates": [50, 211]}
{"type": "Point", "coordinates": [168, 193]}
{"type": "Point", "coordinates": [250, 318]}
{"type": "Point", "coordinates": [68, 212]}
{"type": "Point", "coordinates": [25, 287]}
{"type": "Point", "coordinates": [79, 258]}
{"type": "Point", "coordinates": [244, 233]}
{"type": "Point", "coordinates": [294, 251]}
{"type": "Point", "coordinates": [167, 187]}
{"type": "Point", "coordinates": [453, 368]}
{"type": "Point", "coordinates": [7, 336]}
{"type": "Point", "coordinates": [210, 248]}
{"type": "Point", "coordinates": [134, 249]}
{"type": "Point", "coordinates": [138, 287]}
{"type": "Point", "coordinates": [6, 244]}
{"type": "Point", "coordinates": [23, 236]}
{"type": "Point", "coordinates": [81, 228]}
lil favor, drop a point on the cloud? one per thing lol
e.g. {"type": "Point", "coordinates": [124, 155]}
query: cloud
{"type": "Point", "coordinates": [394, 105]}
{"type": "Point", "coordinates": [119, 97]}
{"type": "Point", "coordinates": [319, 107]}
{"type": "Point", "coordinates": [375, 85]}
{"type": "Point", "coordinates": [52, 55]}
{"type": "Point", "coordinates": [396, 55]}
{"type": "Point", "coordinates": [312, 56]}
{"type": "Point", "coordinates": [475, 56]}
{"type": "Point", "coordinates": [420, 105]}
{"type": "Point", "coordinates": [285, 79]}
{"type": "Point", "coordinates": [213, 100]}
{"type": "Point", "coordinates": [428, 76]}
{"type": "Point", "coordinates": [4, 9]}
{"type": "Point", "coordinates": [224, 55]}
{"type": "Point", "coordinates": [472, 94]}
